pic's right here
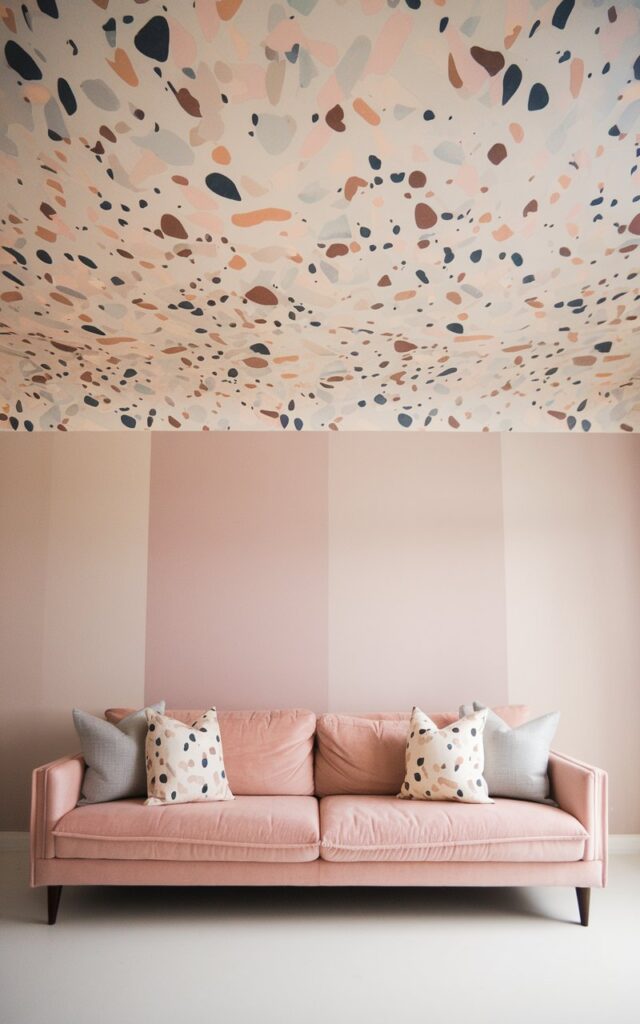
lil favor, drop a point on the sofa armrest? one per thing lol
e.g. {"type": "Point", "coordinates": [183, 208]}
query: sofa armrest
{"type": "Point", "coordinates": [581, 790]}
{"type": "Point", "coordinates": [55, 789]}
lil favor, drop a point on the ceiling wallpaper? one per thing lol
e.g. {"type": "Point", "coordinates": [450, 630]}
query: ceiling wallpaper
{"type": "Point", "coordinates": [320, 214]}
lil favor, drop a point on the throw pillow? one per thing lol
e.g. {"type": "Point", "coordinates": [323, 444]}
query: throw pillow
{"type": "Point", "coordinates": [113, 754]}
{"type": "Point", "coordinates": [516, 760]}
{"type": "Point", "coordinates": [447, 763]}
{"type": "Point", "coordinates": [185, 762]}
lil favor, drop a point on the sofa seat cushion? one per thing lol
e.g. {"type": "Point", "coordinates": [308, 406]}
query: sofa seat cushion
{"type": "Point", "coordinates": [382, 828]}
{"type": "Point", "coordinates": [249, 828]}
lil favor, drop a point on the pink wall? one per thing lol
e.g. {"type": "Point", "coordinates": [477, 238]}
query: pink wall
{"type": "Point", "coordinates": [416, 571]}
{"type": "Point", "coordinates": [341, 571]}
{"type": "Point", "coordinates": [237, 606]}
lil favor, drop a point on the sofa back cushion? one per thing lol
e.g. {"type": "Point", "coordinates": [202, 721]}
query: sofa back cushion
{"type": "Point", "coordinates": [365, 754]}
{"type": "Point", "coordinates": [266, 753]}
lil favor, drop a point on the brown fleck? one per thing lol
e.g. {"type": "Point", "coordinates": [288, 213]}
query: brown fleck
{"type": "Point", "coordinates": [172, 226]}
{"type": "Point", "coordinates": [453, 422]}
{"type": "Point", "coordinates": [404, 346]}
{"type": "Point", "coordinates": [452, 70]}
{"type": "Point", "coordinates": [491, 60]}
{"type": "Point", "coordinates": [425, 216]}
{"type": "Point", "coordinates": [531, 207]}
{"type": "Point", "coordinates": [497, 153]}
{"type": "Point", "coordinates": [352, 185]}
{"type": "Point", "coordinates": [634, 226]}
{"type": "Point", "coordinates": [417, 179]}
{"type": "Point", "coordinates": [337, 249]}
{"type": "Point", "coordinates": [564, 251]}
{"type": "Point", "coordinates": [188, 102]}
{"type": "Point", "coordinates": [263, 296]}
{"type": "Point", "coordinates": [384, 281]}
{"type": "Point", "coordinates": [174, 422]}
{"type": "Point", "coordinates": [335, 118]}
{"type": "Point", "coordinates": [557, 414]}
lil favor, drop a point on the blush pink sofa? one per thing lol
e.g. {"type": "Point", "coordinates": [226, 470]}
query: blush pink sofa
{"type": "Point", "coordinates": [315, 805]}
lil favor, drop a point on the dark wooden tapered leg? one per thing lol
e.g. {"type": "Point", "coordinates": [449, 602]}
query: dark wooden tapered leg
{"type": "Point", "coordinates": [54, 892]}
{"type": "Point", "coordinates": [584, 895]}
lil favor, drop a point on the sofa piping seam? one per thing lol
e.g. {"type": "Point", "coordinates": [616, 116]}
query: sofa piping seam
{"type": "Point", "coordinates": [196, 842]}
{"type": "Point", "coordinates": [328, 845]}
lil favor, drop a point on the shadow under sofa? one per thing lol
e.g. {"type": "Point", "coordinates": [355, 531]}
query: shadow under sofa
{"type": "Point", "coordinates": [315, 804]}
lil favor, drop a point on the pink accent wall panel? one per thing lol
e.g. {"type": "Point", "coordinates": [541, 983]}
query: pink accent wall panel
{"type": "Point", "coordinates": [572, 542]}
{"type": "Point", "coordinates": [237, 594]}
{"type": "Point", "coordinates": [416, 571]}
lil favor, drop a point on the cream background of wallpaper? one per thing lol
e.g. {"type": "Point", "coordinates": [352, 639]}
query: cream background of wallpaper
{"type": "Point", "coordinates": [338, 571]}
{"type": "Point", "coordinates": [357, 214]}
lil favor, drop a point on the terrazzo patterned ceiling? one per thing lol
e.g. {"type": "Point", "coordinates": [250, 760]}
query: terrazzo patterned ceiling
{"type": "Point", "coordinates": [342, 214]}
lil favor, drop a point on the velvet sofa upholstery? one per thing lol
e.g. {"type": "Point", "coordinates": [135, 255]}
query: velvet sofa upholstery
{"type": "Point", "coordinates": [299, 818]}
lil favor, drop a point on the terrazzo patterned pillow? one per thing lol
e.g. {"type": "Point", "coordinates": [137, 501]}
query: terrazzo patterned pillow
{"type": "Point", "coordinates": [185, 762]}
{"type": "Point", "coordinates": [517, 759]}
{"type": "Point", "coordinates": [447, 763]}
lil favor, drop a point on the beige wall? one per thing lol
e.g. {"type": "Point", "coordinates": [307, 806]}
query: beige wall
{"type": "Point", "coordinates": [73, 536]}
{"type": "Point", "coordinates": [346, 572]}
{"type": "Point", "coordinates": [25, 495]}
{"type": "Point", "coordinates": [572, 556]}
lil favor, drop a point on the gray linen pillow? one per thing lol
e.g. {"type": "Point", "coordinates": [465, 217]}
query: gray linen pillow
{"type": "Point", "coordinates": [516, 760]}
{"type": "Point", "coordinates": [114, 755]}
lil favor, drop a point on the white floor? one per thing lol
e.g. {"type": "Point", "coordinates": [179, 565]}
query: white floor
{"type": "Point", "coordinates": [197, 956]}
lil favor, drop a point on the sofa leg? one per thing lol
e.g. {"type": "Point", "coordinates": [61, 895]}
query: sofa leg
{"type": "Point", "coordinates": [584, 895]}
{"type": "Point", "coordinates": [54, 892]}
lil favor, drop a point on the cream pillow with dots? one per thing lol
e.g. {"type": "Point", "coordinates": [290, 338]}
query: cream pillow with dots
{"type": "Point", "coordinates": [184, 762]}
{"type": "Point", "coordinates": [445, 764]}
